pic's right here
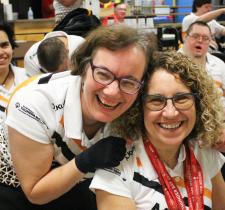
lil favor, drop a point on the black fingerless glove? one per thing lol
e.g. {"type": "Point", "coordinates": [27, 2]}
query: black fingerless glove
{"type": "Point", "coordinates": [108, 152]}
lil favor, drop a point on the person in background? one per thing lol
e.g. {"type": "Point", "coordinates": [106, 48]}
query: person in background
{"type": "Point", "coordinates": [201, 11]}
{"type": "Point", "coordinates": [31, 62]}
{"type": "Point", "coordinates": [47, 9]}
{"type": "Point", "coordinates": [118, 16]}
{"type": "Point", "coordinates": [53, 55]}
{"type": "Point", "coordinates": [196, 45]}
{"type": "Point", "coordinates": [62, 118]}
{"type": "Point", "coordinates": [63, 7]}
{"type": "Point", "coordinates": [170, 163]}
{"type": "Point", "coordinates": [36, 6]}
{"type": "Point", "coordinates": [11, 195]}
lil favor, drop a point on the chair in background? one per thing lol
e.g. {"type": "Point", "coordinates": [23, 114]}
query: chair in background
{"type": "Point", "coordinates": [170, 39]}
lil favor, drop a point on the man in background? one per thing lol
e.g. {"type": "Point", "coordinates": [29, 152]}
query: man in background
{"type": "Point", "coordinates": [31, 62]}
{"type": "Point", "coordinates": [201, 11]}
{"type": "Point", "coordinates": [53, 55]}
{"type": "Point", "coordinates": [118, 16]}
{"type": "Point", "coordinates": [196, 44]}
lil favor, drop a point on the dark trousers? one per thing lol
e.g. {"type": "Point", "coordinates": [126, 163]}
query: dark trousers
{"type": "Point", "coordinates": [14, 199]}
{"type": "Point", "coordinates": [78, 198]}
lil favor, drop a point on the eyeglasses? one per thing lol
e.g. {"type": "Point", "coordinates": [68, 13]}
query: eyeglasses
{"type": "Point", "coordinates": [197, 37]}
{"type": "Point", "coordinates": [181, 101]}
{"type": "Point", "coordinates": [105, 77]}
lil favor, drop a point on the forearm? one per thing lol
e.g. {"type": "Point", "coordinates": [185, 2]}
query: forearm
{"type": "Point", "coordinates": [54, 184]}
{"type": "Point", "coordinates": [67, 3]}
{"type": "Point", "coordinates": [211, 15]}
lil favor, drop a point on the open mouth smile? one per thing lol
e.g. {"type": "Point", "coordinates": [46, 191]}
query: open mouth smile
{"type": "Point", "coordinates": [106, 105]}
{"type": "Point", "coordinates": [170, 126]}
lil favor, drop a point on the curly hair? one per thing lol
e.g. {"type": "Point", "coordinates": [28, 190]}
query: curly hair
{"type": "Point", "coordinates": [209, 110]}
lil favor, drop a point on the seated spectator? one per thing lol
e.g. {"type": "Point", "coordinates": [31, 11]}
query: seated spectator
{"type": "Point", "coordinates": [64, 7]}
{"type": "Point", "coordinates": [11, 195]}
{"type": "Point", "coordinates": [201, 11]}
{"type": "Point", "coordinates": [118, 16]}
{"type": "Point", "coordinates": [196, 44]}
{"type": "Point", "coordinates": [78, 22]}
{"type": "Point", "coordinates": [169, 164]}
{"type": "Point", "coordinates": [31, 63]}
{"type": "Point", "coordinates": [53, 55]}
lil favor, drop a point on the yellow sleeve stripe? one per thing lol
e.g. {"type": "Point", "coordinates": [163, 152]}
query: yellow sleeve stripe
{"type": "Point", "coordinates": [2, 98]}
{"type": "Point", "coordinates": [21, 85]}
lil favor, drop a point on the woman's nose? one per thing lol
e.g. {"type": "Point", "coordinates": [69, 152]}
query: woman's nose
{"type": "Point", "coordinates": [170, 110]}
{"type": "Point", "coordinates": [112, 89]}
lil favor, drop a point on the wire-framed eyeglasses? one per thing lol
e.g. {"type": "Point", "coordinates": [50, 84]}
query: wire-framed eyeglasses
{"type": "Point", "coordinates": [181, 101]}
{"type": "Point", "coordinates": [105, 77]}
{"type": "Point", "coordinates": [197, 37]}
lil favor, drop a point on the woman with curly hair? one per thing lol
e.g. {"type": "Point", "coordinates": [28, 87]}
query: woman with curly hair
{"type": "Point", "coordinates": [171, 165]}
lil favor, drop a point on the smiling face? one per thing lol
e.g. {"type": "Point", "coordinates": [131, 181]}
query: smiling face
{"type": "Point", "coordinates": [6, 52]}
{"type": "Point", "coordinates": [197, 47]}
{"type": "Point", "coordinates": [105, 103]}
{"type": "Point", "coordinates": [168, 127]}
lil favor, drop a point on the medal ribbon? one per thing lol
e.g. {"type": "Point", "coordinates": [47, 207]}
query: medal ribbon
{"type": "Point", "coordinates": [193, 178]}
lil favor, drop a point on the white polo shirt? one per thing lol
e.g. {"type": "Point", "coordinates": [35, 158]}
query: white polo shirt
{"type": "Point", "coordinates": [49, 111]}
{"type": "Point", "coordinates": [136, 178]}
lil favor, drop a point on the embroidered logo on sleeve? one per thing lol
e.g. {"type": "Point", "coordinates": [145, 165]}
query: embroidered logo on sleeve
{"type": "Point", "coordinates": [25, 110]}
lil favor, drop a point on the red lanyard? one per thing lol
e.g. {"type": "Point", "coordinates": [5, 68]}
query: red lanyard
{"type": "Point", "coordinates": [193, 178]}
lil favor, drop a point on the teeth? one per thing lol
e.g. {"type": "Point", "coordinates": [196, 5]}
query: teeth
{"type": "Point", "coordinates": [111, 106]}
{"type": "Point", "coordinates": [170, 126]}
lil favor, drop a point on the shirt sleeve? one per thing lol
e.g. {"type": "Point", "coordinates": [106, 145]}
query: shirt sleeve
{"type": "Point", "coordinates": [187, 21]}
{"type": "Point", "coordinates": [211, 161]}
{"type": "Point", "coordinates": [218, 29]}
{"type": "Point", "coordinates": [28, 113]}
{"type": "Point", "coordinates": [112, 181]}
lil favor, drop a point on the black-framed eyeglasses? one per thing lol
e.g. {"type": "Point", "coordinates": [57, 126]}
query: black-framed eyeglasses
{"type": "Point", "coordinates": [105, 77]}
{"type": "Point", "coordinates": [181, 101]}
{"type": "Point", "coordinates": [197, 37]}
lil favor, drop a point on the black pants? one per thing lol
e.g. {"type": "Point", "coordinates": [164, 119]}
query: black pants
{"type": "Point", "coordinates": [78, 198]}
{"type": "Point", "coordinates": [14, 199]}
